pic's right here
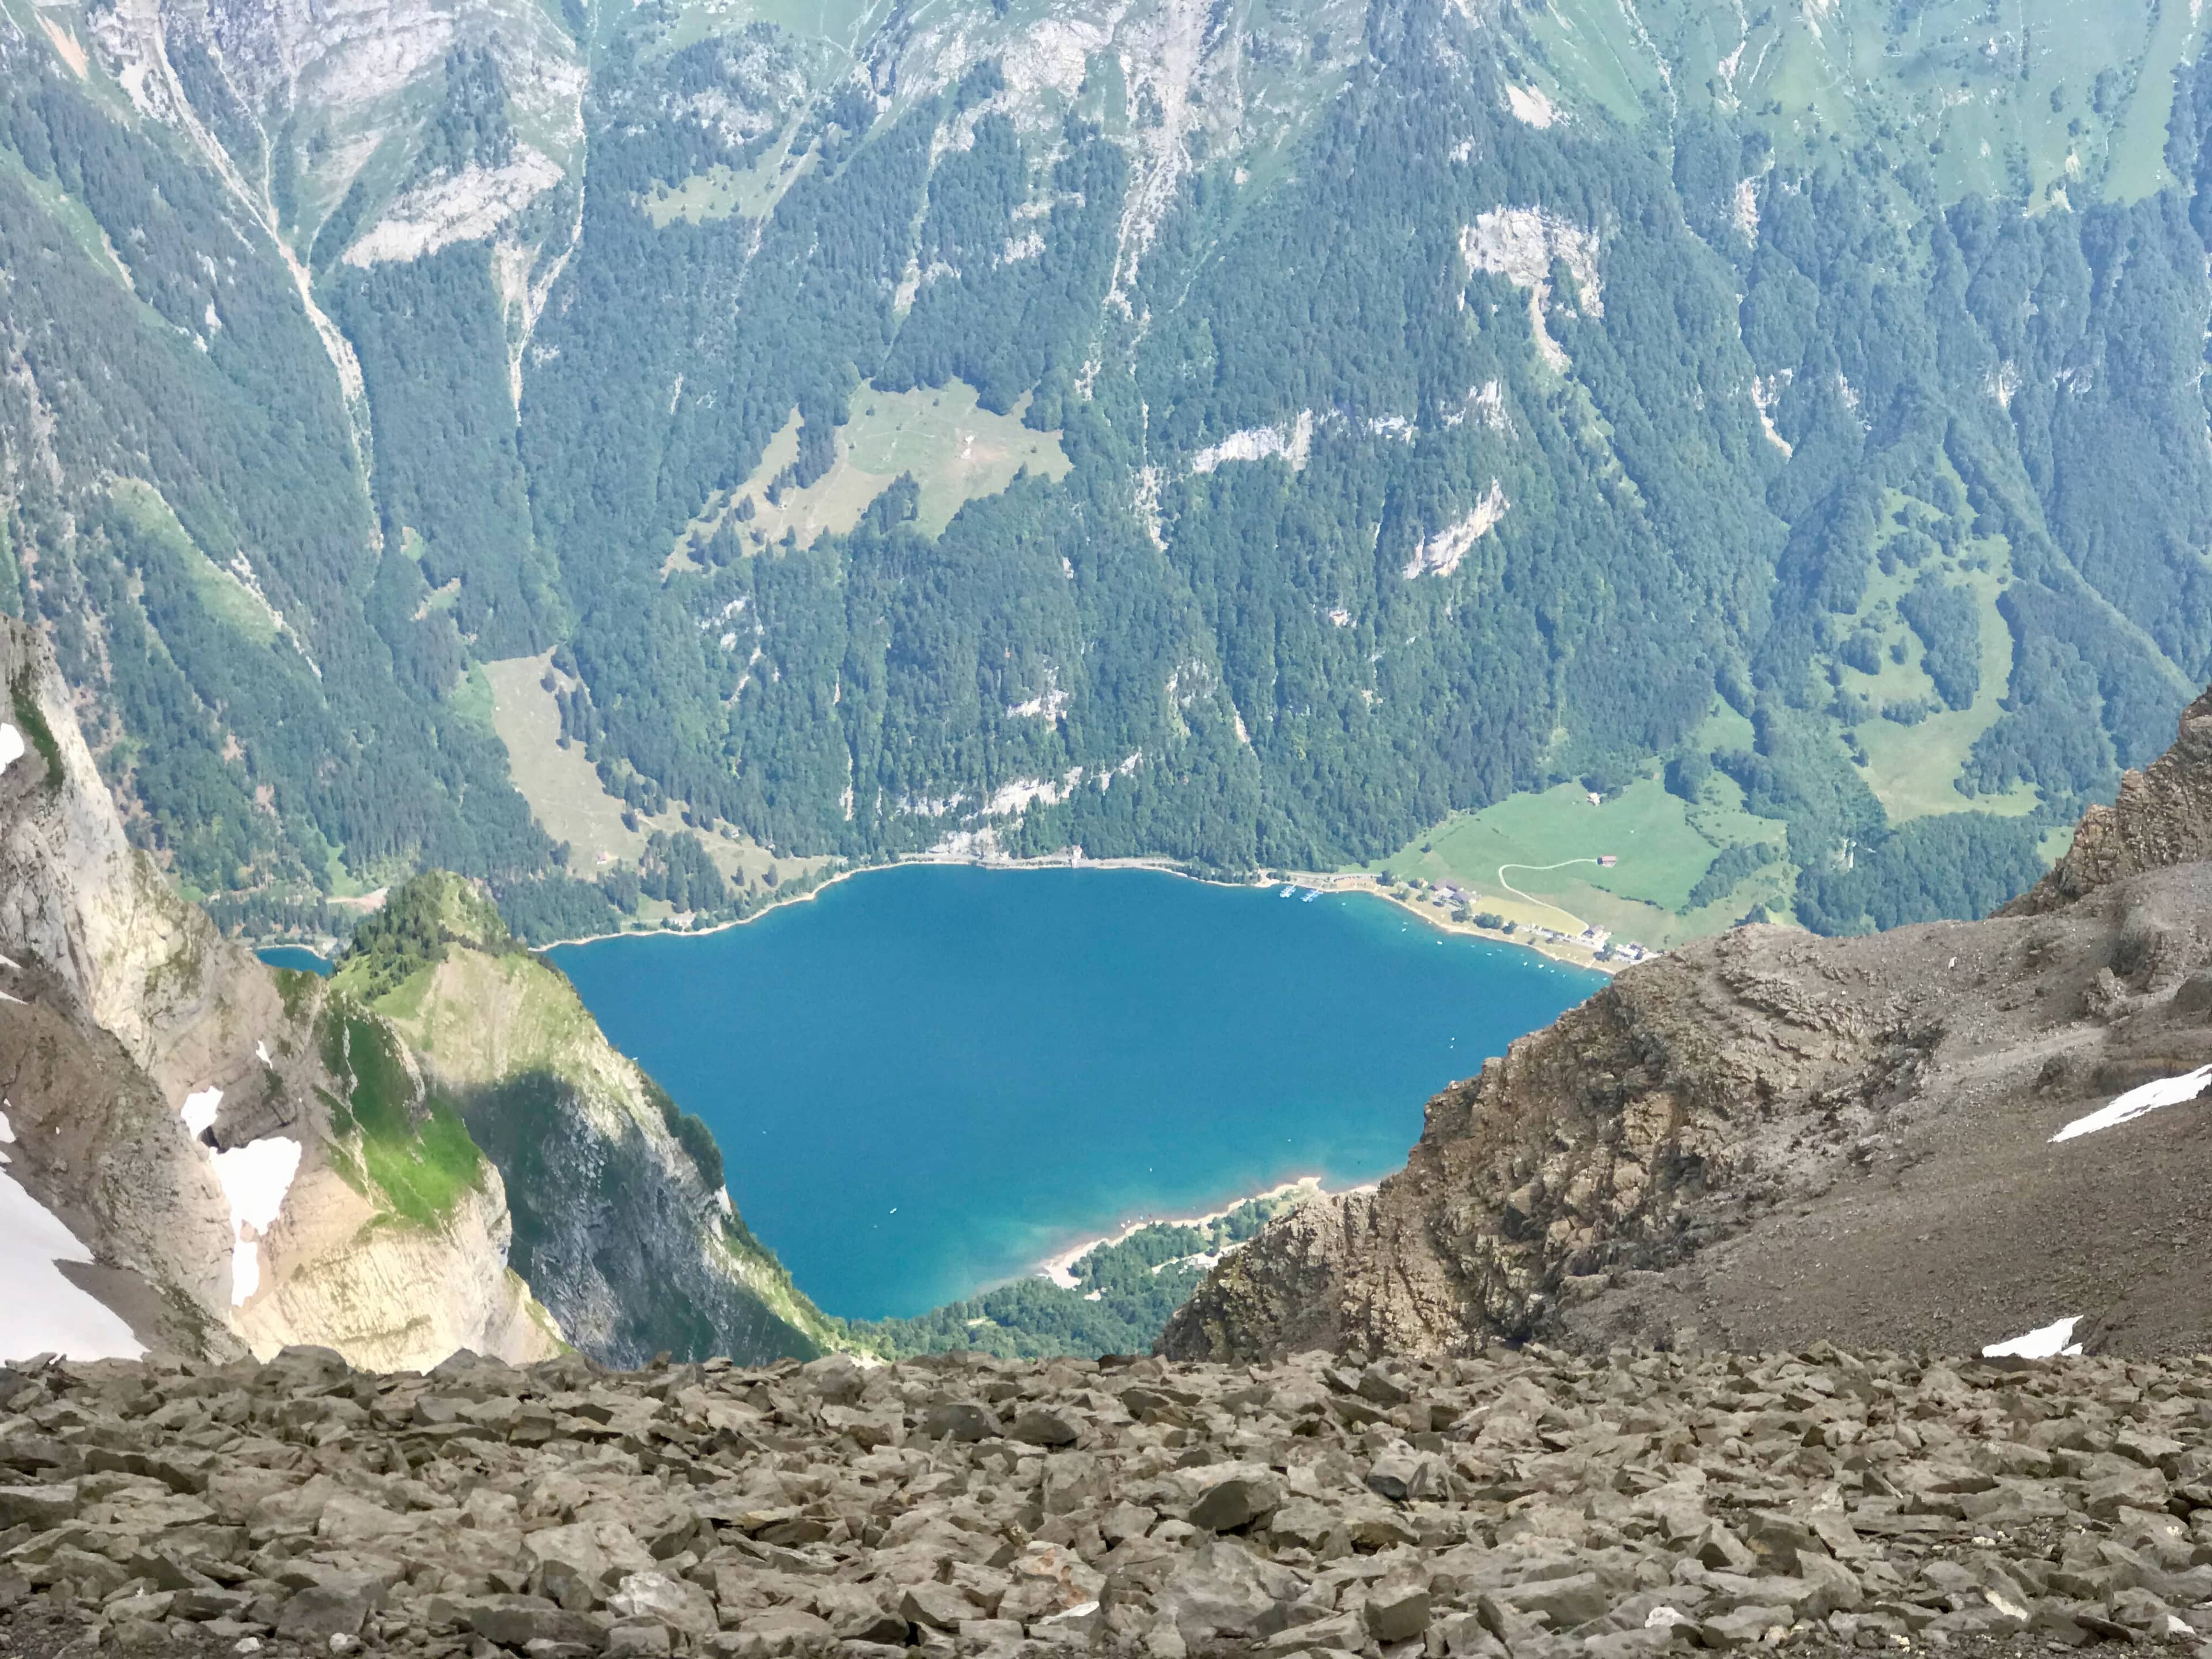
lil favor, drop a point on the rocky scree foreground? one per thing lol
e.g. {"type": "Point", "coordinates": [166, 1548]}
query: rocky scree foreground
{"type": "Point", "coordinates": [1512, 1506]}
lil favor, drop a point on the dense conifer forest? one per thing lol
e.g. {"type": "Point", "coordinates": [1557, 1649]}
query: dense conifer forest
{"type": "Point", "coordinates": [1442, 419]}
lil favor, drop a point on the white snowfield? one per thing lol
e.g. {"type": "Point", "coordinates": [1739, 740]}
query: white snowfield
{"type": "Point", "coordinates": [11, 745]}
{"type": "Point", "coordinates": [2166, 1091]}
{"type": "Point", "coordinates": [2045, 1342]}
{"type": "Point", "coordinates": [255, 1178]}
{"type": "Point", "coordinates": [42, 1312]}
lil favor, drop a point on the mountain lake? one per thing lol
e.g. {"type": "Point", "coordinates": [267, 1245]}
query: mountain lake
{"type": "Point", "coordinates": [926, 1080]}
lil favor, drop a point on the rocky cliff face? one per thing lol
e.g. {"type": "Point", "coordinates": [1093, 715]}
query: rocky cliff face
{"type": "Point", "coordinates": [622, 1225]}
{"type": "Point", "coordinates": [1767, 1140]}
{"type": "Point", "coordinates": [167, 1100]}
{"type": "Point", "coordinates": [254, 1158]}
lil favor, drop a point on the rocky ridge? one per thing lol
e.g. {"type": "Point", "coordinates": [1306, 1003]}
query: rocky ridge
{"type": "Point", "coordinates": [149, 1069]}
{"type": "Point", "coordinates": [253, 1158]}
{"type": "Point", "coordinates": [1767, 1140]}
{"type": "Point", "coordinates": [1509, 1505]}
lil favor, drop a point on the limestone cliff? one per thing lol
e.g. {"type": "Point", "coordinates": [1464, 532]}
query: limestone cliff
{"type": "Point", "coordinates": [165, 1097]}
{"type": "Point", "coordinates": [257, 1158]}
{"type": "Point", "coordinates": [1768, 1139]}
{"type": "Point", "coordinates": [622, 1225]}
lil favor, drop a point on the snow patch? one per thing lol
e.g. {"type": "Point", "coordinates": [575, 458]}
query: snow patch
{"type": "Point", "coordinates": [1294, 441]}
{"type": "Point", "coordinates": [11, 745]}
{"type": "Point", "coordinates": [1440, 554]}
{"type": "Point", "coordinates": [199, 1111]}
{"type": "Point", "coordinates": [43, 1311]}
{"type": "Point", "coordinates": [7, 1131]}
{"type": "Point", "coordinates": [1530, 106]}
{"type": "Point", "coordinates": [2045, 1342]}
{"type": "Point", "coordinates": [462, 207]}
{"type": "Point", "coordinates": [261, 1053]}
{"type": "Point", "coordinates": [255, 1178]}
{"type": "Point", "coordinates": [2166, 1091]}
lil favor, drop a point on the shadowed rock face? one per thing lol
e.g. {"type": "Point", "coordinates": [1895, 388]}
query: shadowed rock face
{"type": "Point", "coordinates": [1515, 1505]}
{"type": "Point", "coordinates": [1767, 1140]}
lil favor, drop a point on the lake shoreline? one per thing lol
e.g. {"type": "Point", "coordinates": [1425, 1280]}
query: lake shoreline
{"type": "Point", "coordinates": [1057, 1266]}
{"type": "Point", "coordinates": [1334, 881]}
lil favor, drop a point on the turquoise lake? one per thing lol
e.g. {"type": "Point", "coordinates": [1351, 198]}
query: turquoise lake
{"type": "Point", "coordinates": [927, 1079]}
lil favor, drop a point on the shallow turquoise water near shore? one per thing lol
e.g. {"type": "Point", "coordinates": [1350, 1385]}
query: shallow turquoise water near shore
{"type": "Point", "coordinates": [928, 1078]}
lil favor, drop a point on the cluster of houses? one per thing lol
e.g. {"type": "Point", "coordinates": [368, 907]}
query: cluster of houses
{"type": "Point", "coordinates": [1449, 895]}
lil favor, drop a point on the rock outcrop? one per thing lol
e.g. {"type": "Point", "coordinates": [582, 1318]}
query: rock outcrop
{"type": "Point", "coordinates": [2162, 818]}
{"type": "Point", "coordinates": [1767, 1140]}
{"type": "Point", "coordinates": [1512, 1506]}
{"type": "Point", "coordinates": [253, 1158]}
{"type": "Point", "coordinates": [623, 1226]}
{"type": "Point", "coordinates": [168, 1100]}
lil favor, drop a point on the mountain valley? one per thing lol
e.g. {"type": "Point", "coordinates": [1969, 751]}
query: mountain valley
{"type": "Point", "coordinates": [1388, 418]}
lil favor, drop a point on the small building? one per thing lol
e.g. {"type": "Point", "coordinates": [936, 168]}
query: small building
{"type": "Point", "coordinates": [1606, 861]}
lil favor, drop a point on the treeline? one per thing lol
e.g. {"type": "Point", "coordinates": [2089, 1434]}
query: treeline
{"type": "Point", "coordinates": [1124, 1294]}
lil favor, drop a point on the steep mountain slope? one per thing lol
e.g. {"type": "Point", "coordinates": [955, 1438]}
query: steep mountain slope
{"type": "Point", "coordinates": [622, 1225]}
{"type": "Point", "coordinates": [1324, 418]}
{"type": "Point", "coordinates": [1765, 1141]}
{"type": "Point", "coordinates": [253, 1158]}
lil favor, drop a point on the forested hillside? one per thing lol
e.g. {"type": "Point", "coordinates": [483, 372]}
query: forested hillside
{"type": "Point", "coordinates": [1255, 433]}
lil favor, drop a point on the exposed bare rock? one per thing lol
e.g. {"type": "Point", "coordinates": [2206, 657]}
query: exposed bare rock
{"type": "Point", "coordinates": [181, 1113]}
{"type": "Point", "coordinates": [1509, 1505]}
{"type": "Point", "coordinates": [1767, 1140]}
{"type": "Point", "coordinates": [2163, 816]}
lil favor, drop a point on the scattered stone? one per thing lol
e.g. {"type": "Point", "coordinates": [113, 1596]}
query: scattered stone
{"type": "Point", "coordinates": [1505, 1505]}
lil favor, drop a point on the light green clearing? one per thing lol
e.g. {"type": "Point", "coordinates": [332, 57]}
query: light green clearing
{"type": "Point", "coordinates": [1952, 82]}
{"type": "Point", "coordinates": [570, 804]}
{"type": "Point", "coordinates": [957, 452]}
{"type": "Point", "coordinates": [220, 593]}
{"type": "Point", "coordinates": [1912, 768]}
{"type": "Point", "coordinates": [721, 191]}
{"type": "Point", "coordinates": [1662, 854]}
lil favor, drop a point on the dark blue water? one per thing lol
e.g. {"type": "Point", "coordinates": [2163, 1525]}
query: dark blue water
{"type": "Point", "coordinates": [928, 1078]}
{"type": "Point", "coordinates": [297, 955]}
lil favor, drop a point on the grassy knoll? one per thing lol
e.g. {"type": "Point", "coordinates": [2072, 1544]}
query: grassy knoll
{"type": "Point", "coordinates": [420, 1161]}
{"type": "Point", "coordinates": [1912, 768]}
{"type": "Point", "coordinates": [1996, 108]}
{"type": "Point", "coordinates": [721, 192]}
{"type": "Point", "coordinates": [957, 452]}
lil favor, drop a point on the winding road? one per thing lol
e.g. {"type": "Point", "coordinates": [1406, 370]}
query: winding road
{"type": "Point", "coordinates": [1543, 904]}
